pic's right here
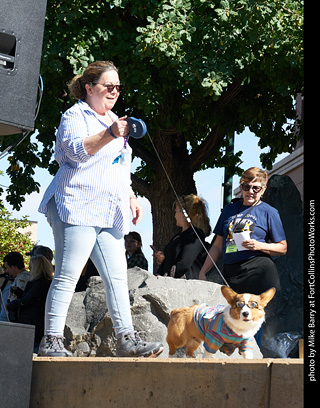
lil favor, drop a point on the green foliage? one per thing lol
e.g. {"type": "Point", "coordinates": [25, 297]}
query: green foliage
{"type": "Point", "coordinates": [11, 239]}
{"type": "Point", "coordinates": [196, 71]}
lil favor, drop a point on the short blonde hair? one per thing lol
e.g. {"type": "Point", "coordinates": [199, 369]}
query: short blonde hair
{"type": "Point", "coordinates": [254, 174]}
{"type": "Point", "coordinates": [197, 210]}
{"type": "Point", "coordinates": [40, 267]}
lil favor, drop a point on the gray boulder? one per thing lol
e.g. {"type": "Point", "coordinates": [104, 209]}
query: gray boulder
{"type": "Point", "coordinates": [88, 329]}
{"type": "Point", "coordinates": [286, 312]}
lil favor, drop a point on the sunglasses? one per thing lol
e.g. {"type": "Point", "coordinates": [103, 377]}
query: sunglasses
{"type": "Point", "coordinates": [251, 304]}
{"type": "Point", "coordinates": [247, 187]}
{"type": "Point", "coordinates": [110, 87]}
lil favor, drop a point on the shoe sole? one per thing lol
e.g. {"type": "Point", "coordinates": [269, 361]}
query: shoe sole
{"type": "Point", "coordinates": [58, 354]}
{"type": "Point", "coordinates": [151, 354]}
{"type": "Point", "coordinates": [154, 354]}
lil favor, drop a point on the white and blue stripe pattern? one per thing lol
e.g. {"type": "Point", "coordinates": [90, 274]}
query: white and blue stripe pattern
{"type": "Point", "coordinates": [89, 190]}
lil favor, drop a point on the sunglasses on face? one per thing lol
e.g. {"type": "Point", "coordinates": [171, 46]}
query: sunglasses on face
{"type": "Point", "coordinates": [110, 87]}
{"type": "Point", "coordinates": [251, 304]}
{"type": "Point", "coordinates": [247, 187]}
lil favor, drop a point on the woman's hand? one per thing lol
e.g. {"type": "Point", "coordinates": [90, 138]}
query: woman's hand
{"type": "Point", "coordinates": [92, 144]}
{"type": "Point", "coordinates": [159, 257]}
{"type": "Point", "coordinates": [202, 275]}
{"type": "Point", "coordinates": [252, 244]}
{"type": "Point", "coordinates": [120, 127]}
{"type": "Point", "coordinates": [136, 210]}
{"type": "Point", "coordinates": [272, 248]}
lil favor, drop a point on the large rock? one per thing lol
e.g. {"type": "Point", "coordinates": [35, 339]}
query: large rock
{"type": "Point", "coordinates": [286, 313]}
{"type": "Point", "coordinates": [89, 328]}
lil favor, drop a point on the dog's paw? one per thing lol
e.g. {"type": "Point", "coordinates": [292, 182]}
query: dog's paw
{"type": "Point", "coordinates": [206, 354]}
{"type": "Point", "coordinates": [172, 355]}
{"type": "Point", "coordinates": [247, 354]}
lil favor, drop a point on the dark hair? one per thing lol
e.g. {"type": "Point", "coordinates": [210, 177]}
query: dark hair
{"type": "Point", "coordinates": [137, 237]}
{"type": "Point", "coordinates": [41, 250]}
{"type": "Point", "coordinates": [92, 74]}
{"type": "Point", "coordinates": [14, 259]}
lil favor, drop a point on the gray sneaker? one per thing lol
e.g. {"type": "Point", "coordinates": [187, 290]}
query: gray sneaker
{"type": "Point", "coordinates": [52, 346]}
{"type": "Point", "coordinates": [131, 345]}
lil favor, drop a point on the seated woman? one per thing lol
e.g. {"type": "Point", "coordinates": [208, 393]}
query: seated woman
{"type": "Point", "coordinates": [248, 233]}
{"type": "Point", "coordinates": [184, 254]}
{"type": "Point", "coordinates": [248, 266]}
{"type": "Point", "coordinates": [29, 309]}
{"type": "Point", "coordinates": [134, 254]}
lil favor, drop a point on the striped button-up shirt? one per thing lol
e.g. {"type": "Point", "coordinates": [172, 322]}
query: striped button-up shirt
{"type": "Point", "coordinates": [89, 190]}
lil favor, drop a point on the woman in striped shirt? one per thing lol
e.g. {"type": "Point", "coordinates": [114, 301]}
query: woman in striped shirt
{"type": "Point", "coordinates": [87, 205]}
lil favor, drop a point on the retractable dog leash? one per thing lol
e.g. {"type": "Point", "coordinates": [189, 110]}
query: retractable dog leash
{"type": "Point", "coordinates": [138, 129]}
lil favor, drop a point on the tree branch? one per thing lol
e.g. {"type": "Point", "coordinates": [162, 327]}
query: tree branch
{"type": "Point", "coordinates": [140, 151]}
{"type": "Point", "coordinates": [215, 137]}
{"type": "Point", "coordinates": [207, 147]}
{"type": "Point", "coordinates": [140, 185]}
{"type": "Point", "coordinates": [228, 95]}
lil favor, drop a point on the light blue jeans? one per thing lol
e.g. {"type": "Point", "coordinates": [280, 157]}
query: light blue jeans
{"type": "Point", "coordinates": [73, 247]}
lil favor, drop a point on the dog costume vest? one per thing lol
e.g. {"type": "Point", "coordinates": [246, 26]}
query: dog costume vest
{"type": "Point", "coordinates": [218, 336]}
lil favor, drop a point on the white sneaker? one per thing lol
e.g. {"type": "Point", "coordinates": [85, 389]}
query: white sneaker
{"type": "Point", "coordinates": [52, 346]}
{"type": "Point", "coordinates": [131, 345]}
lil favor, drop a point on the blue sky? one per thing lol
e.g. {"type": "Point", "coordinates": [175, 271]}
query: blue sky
{"type": "Point", "coordinates": [208, 183]}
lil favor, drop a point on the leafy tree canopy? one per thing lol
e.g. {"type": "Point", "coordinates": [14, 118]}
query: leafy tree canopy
{"type": "Point", "coordinates": [12, 237]}
{"type": "Point", "coordinates": [196, 71]}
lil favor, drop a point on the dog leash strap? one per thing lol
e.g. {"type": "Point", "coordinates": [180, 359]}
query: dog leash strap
{"type": "Point", "coordinates": [185, 212]}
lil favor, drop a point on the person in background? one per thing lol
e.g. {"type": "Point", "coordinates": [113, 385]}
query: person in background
{"type": "Point", "coordinates": [134, 254]}
{"type": "Point", "coordinates": [5, 283]}
{"type": "Point", "coordinates": [2, 276]}
{"type": "Point", "coordinates": [184, 255]}
{"type": "Point", "coordinates": [13, 265]}
{"type": "Point", "coordinates": [248, 233]}
{"type": "Point", "coordinates": [248, 266]}
{"type": "Point", "coordinates": [87, 205]}
{"type": "Point", "coordinates": [29, 309]}
{"type": "Point", "coordinates": [41, 250]}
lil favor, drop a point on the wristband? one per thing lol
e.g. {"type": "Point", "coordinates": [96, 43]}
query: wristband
{"type": "Point", "coordinates": [111, 133]}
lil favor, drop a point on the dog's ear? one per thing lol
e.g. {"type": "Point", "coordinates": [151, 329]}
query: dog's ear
{"type": "Point", "coordinates": [265, 297]}
{"type": "Point", "coordinates": [228, 293]}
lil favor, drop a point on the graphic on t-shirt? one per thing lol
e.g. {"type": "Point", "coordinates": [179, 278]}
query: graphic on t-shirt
{"type": "Point", "coordinates": [243, 225]}
{"type": "Point", "coordinates": [237, 233]}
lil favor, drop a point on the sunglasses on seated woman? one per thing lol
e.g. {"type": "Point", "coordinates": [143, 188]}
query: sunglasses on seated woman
{"type": "Point", "coordinates": [247, 187]}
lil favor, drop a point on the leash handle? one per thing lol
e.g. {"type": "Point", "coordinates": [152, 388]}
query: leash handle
{"type": "Point", "coordinates": [137, 127]}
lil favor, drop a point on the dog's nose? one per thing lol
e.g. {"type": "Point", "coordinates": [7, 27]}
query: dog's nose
{"type": "Point", "coordinates": [245, 314]}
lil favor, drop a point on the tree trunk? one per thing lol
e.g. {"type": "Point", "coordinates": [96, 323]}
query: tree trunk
{"type": "Point", "coordinates": [172, 149]}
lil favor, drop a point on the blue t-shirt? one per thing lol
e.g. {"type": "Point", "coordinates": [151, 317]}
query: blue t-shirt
{"type": "Point", "coordinates": [262, 220]}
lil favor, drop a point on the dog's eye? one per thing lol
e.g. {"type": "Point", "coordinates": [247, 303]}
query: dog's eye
{"type": "Point", "coordinates": [251, 304]}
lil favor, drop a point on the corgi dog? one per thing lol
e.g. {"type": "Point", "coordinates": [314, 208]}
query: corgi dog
{"type": "Point", "coordinates": [222, 328]}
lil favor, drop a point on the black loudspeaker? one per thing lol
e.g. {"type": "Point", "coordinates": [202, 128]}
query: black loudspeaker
{"type": "Point", "coordinates": [21, 35]}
